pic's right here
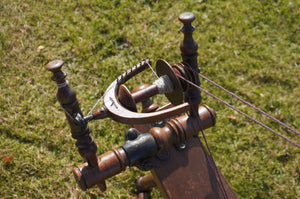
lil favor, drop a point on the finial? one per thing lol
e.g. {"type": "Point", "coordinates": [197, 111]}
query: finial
{"type": "Point", "coordinates": [189, 54]}
{"type": "Point", "coordinates": [55, 67]}
{"type": "Point", "coordinates": [188, 46]}
{"type": "Point", "coordinates": [187, 18]}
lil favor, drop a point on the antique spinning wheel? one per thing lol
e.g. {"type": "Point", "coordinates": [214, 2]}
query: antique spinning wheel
{"type": "Point", "coordinates": [163, 140]}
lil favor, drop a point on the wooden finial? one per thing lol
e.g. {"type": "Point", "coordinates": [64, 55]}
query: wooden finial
{"type": "Point", "coordinates": [55, 67]}
{"type": "Point", "coordinates": [189, 55]}
{"type": "Point", "coordinates": [187, 17]}
{"type": "Point", "coordinates": [188, 46]}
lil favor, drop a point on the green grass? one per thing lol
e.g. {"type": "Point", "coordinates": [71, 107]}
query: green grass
{"type": "Point", "coordinates": [250, 47]}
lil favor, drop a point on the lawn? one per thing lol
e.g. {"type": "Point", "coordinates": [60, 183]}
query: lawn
{"type": "Point", "coordinates": [250, 47]}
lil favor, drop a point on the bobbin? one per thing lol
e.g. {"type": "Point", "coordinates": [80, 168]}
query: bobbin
{"type": "Point", "coordinates": [167, 84]}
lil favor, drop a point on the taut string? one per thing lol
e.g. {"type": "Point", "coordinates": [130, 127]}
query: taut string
{"type": "Point", "coordinates": [241, 112]}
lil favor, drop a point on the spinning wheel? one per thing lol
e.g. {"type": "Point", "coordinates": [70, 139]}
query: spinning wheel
{"type": "Point", "coordinates": [180, 165]}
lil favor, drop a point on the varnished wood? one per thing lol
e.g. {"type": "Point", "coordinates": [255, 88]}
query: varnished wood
{"type": "Point", "coordinates": [110, 163]}
{"type": "Point", "coordinates": [147, 105]}
{"type": "Point", "coordinates": [141, 94]}
{"type": "Point", "coordinates": [189, 55]}
{"type": "Point", "coordinates": [145, 183]}
{"type": "Point", "coordinates": [67, 98]}
{"type": "Point", "coordinates": [113, 162]}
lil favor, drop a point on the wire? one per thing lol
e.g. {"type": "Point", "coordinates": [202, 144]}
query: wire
{"type": "Point", "coordinates": [209, 156]}
{"type": "Point", "coordinates": [241, 112]}
{"type": "Point", "coordinates": [247, 103]}
{"type": "Point", "coordinates": [90, 112]}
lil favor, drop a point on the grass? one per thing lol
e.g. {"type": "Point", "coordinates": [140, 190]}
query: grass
{"type": "Point", "coordinates": [250, 47]}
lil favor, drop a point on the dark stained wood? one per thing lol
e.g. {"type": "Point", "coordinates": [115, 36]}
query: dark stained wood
{"type": "Point", "coordinates": [186, 173]}
{"type": "Point", "coordinates": [110, 163]}
{"type": "Point", "coordinates": [179, 129]}
{"type": "Point", "coordinates": [144, 93]}
{"type": "Point", "coordinates": [189, 55]}
{"type": "Point", "coordinates": [141, 94]}
{"type": "Point", "coordinates": [147, 107]}
{"type": "Point", "coordinates": [67, 98]}
{"type": "Point", "coordinates": [126, 98]}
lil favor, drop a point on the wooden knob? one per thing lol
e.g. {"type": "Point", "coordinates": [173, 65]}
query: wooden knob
{"type": "Point", "coordinates": [186, 18]}
{"type": "Point", "coordinates": [188, 46]}
{"type": "Point", "coordinates": [55, 67]}
{"type": "Point", "coordinates": [145, 183]}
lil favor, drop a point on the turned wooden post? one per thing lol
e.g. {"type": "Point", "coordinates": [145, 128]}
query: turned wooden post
{"type": "Point", "coordinates": [79, 129]}
{"type": "Point", "coordinates": [189, 55]}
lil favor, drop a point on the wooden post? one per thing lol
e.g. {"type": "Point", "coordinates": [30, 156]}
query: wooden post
{"type": "Point", "coordinates": [79, 128]}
